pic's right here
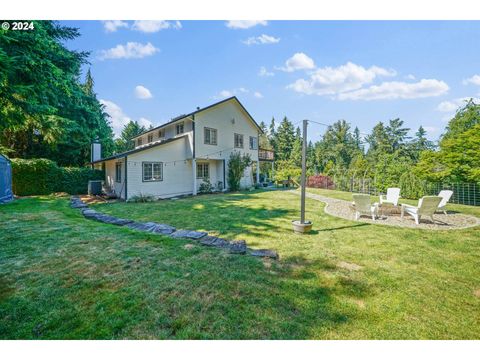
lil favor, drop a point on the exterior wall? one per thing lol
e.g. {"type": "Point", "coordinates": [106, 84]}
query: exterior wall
{"type": "Point", "coordinates": [220, 118]}
{"type": "Point", "coordinates": [177, 178]}
{"type": "Point", "coordinates": [215, 172]}
{"type": "Point", "coordinates": [117, 187]}
{"type": "Point", "coordinates": [169, 132]}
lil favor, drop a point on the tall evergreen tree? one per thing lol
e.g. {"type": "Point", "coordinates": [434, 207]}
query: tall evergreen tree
{"type": "Point", "coordinates": [45, 110]}
{"type": "Point", "coordinates": [129, 131]}
{"type": "Point", "coordinates": [296, 155]}
{"type": "Point", "coordinates": [284, 139]}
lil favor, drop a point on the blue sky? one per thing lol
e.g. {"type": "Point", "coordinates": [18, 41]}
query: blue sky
{"type": "Point", "coordinates": [360, 71]}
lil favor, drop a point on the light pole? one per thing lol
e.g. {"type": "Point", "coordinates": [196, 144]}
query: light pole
{"type": "Point", "coordinates": [304, 170]}
{"type": "Point", "coordinates": [303, 226]}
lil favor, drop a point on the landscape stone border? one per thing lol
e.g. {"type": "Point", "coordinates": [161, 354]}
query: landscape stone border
{"type": "Point", "coordinates": [232, 246]}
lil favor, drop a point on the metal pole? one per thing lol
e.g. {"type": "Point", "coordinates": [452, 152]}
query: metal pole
{"type": "Point", "coordinates": [304, 170]}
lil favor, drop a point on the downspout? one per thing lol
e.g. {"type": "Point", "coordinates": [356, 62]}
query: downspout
{"type": "Point", "coordinates": [126, 174]}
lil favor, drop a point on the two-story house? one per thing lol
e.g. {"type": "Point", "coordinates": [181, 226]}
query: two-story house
{"type": "Point", "coordinates": [175, 158]}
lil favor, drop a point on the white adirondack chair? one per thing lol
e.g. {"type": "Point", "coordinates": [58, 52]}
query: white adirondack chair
{"type": "Point", "coordinates": [393, 194]}
{"type": "Point", "coordinates": [363, 206]}
{"type": "Point", "coordinates": [427, 206]}
{"type": "Point", "coordinates": [445, 195]}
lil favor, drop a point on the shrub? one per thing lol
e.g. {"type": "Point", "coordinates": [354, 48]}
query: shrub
{"type": "Point", "coordinates": [412, 186]}
{"type": "Point", "coordinates": [320, 181]}
{"type": "Point", "coordinates": [287, 170]}
{"type": "Point", "coordinates": [43, 176]}
{"type": "Point", "coordinates": [237, 163]}
{"type": "Point", "coordinates": [205, 187]}
{"type": "Point", "coordinates": [141, 198]}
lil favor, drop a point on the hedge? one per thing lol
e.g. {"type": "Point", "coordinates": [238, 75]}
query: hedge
{"type": "Point", "coordinates": [43, 176]}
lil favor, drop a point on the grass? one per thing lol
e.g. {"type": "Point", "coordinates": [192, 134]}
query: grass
{"type": "Point", "coordinates": [65, 277]}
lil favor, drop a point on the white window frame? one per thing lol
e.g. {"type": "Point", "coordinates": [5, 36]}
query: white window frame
{"type": "Point", "coordinates": [203, 170]}
{"type": "Point", "coordinates": [149, 138]}
{"type": "Point", "coordinates": [212, 140]}
{"type": "Point", "coordinates": [239, 136]}
{"type": "Point", "coordinates": [139, 141]}
{"type": "Point", "coordinates": [177, 127]}
{"type": "Point", "coordinates": [161, 134]}
{"type": "Point", "coordinates": [118, 172]}
{"type": "Point", "coordinates": [151, 164]}
{"type": "Point", "coordinates": [253, 145]}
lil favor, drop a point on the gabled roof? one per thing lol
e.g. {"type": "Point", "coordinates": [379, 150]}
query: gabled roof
{"type": "Point", "coordinates": [146, 147]}
{"type": "Point", "coordinates": [200, 110]}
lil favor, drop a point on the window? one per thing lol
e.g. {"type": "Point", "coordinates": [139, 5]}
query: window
{"type": "Point", "coordinates": [179, 128]}
{"type": "Point", "coordinates": [210, 136]}
{"type": "Point", "coordinates": [152, 171]}
{"type": "Point", "coordinates": [238, 140]}
{"type": "Point", "coordinates": [150, 138]}
{"type": "Point", "coordinates": [161, 133]}
{"type": "Point", "coordinates": [139, 141]}
{"type": "Point", "coordinates": [202, 171]}
{"type": "Point", "coordinates": [118, 172]}
{"type": "Point", "coordinates": [253, 143]}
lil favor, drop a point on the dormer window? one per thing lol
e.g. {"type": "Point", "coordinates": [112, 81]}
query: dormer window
{"type": "Point", "coordinates": [161, 134]}
{"type": "Point", "coordinates": [139, 141]}
{"type": "Point", "coordinates": [150, 138]}
{"type": "Point", "coordinates": [179, 128]}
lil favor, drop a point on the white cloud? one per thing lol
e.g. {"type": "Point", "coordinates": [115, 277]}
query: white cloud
{"type": "Point", "coordinates": [333, 81]}
{"type": "Point", "coordinates": [264, 72]}
{"type": "Point", "coordinates": [453, 105]}
{"type": "Point", "coordinates": [141, 92]}
{"type": "Point", "coordinates": [152, 26]}
{"type": "Point", "coordinates": [475, 80]}
{"type": "Point", "coordinates": [114, 25]}
{"type": "Point", "coordinates": [118, 119]}
{"type": "Point", "coordinates": [398, 90]}
{"type": "Point", "coordinates": [258, 94]}
{"type": "Point", "coordinates": [299, 61]}
{"type": "Point", "coordinates": [262, 39]}
{"type": "Point", "coordinates": [145, 122]}
{"type": "Point", "coordinates": [244, 24]}
{"type": "Point", "coordinates": [410, 77]}
{"type": "Point", "coordinates": [131, 50]}
{"type": "Point", "coordinates": [229, 93]}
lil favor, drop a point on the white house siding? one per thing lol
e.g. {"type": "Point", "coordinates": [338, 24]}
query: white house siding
{"type": "Point", "coordinates": [215, 172]}
{"type": "Point", "coordinates": [220, 118]}
{"type": "Point", "coordinates": [177, 177]}
{"type": "Point", "coordinates": [118, 187]}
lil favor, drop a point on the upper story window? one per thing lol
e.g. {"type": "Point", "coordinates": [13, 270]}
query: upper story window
{"type": "Point", "coordinates": [161, 134]}
{"type": "Point", "coordinates": [139, 141]}
{"type": "Point", "coordinates": [152, 171]}
{"type": "Point", "coordinates": [210, 136]}
{"type": "Point", "coordinates": [238, 141]}
{"type": "Point", "coordinates": [253, 143]}
{"type": "Point", "coordinates": [179, 128]}
{"type": "Point", "coordinates": [150, 138]}
{"type": "Point", "coordinates": [118, 172]}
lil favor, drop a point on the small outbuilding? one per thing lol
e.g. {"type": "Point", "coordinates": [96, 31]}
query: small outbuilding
{"type": "Point", "coordinates": [6, 193]}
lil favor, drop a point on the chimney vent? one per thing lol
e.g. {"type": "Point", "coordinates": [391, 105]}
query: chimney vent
{"type": "Point", "coordinates": [96, 150]}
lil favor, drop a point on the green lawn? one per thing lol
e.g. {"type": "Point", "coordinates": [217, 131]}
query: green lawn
{"type": "Point", "coordinates": [62, 276]}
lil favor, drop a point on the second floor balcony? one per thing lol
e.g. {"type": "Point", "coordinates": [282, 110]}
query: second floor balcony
{"type": "Point", "coordinates": [266, 155]}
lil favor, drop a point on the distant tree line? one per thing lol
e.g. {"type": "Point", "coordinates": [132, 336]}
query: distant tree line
{"type": "Point", "coordinates": [387, 154]}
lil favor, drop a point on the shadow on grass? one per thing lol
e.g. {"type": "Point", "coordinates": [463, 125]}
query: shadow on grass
{"type": "Point", "coordinates": [93, 284]}
{"type": "Point", "coordinates": [225, 215]}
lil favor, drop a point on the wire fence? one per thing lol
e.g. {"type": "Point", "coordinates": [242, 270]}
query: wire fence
{"type": "Point", "coordinates": [463, 193]}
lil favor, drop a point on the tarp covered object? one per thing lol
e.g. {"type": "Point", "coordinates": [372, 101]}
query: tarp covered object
{"type": "Point", "coordinates": [6, 193]}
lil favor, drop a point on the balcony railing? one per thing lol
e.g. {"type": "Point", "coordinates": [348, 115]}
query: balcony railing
{"type": "Point", "coordinates": [265, 155]}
